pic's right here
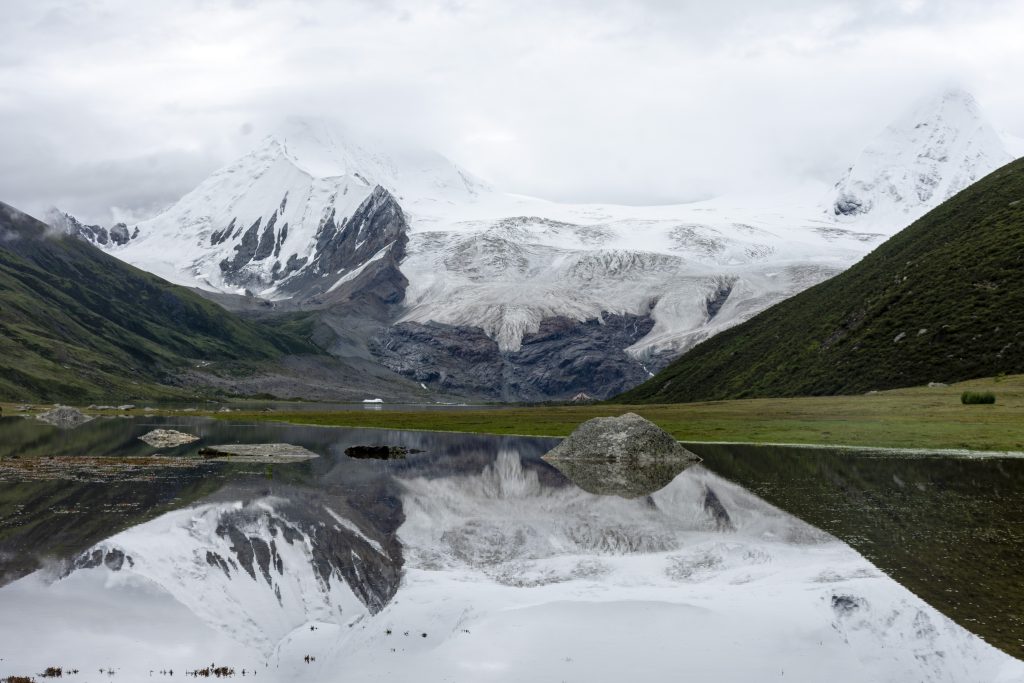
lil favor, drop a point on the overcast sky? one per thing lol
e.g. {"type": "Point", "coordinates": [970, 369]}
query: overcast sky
{"type": "Point", "coordinates": [114, 108]}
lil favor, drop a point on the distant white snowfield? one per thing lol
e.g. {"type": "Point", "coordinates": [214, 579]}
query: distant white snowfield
{"type": "Point", "coordinates": [484, 258]}
{"type": "Point", "coordinates": [506, 579]}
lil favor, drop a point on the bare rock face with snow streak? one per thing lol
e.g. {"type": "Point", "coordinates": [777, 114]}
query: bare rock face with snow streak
{"type": "Point", "coordinates": [626, 456]}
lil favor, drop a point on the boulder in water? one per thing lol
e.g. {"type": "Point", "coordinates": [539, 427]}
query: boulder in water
{"type": "Point", "coordinates": [64, 417]}
{"type": "Point", "coordinates": [167, 438]}
{"type": "Point", "coordinates": [626, 456]}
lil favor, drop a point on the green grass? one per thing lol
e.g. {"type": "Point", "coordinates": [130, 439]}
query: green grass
{"type": "Point", "coordinates": [923, 417]}
{"type": "Point", "coordinates": [969, 398]}
{"type": "Point", "coordinates": [78, 325]}
{"type": "Point", "coordinates": [941, 301]}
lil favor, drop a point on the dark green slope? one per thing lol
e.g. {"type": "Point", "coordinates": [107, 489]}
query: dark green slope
{"type": "Point", "coordinates": [78, 324]}
{"type": "Point", "coordinates": [941, 301]}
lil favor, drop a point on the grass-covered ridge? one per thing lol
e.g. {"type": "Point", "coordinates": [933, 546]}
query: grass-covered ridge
{"type": "Point", "coordinates": [941, 301]}
{"type": "Point", "coordinates": [923, 417]}
{"type": "Point", "coordinates": [77, 324]}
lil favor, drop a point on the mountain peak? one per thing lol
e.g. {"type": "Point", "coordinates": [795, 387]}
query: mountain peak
{"type": "Point", "coordinates": [939, 147]}
{"type": "Point", "coordinates": [323, 150]}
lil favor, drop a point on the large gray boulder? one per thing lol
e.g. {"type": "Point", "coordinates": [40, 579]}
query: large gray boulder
{"type": "Point", "coordinates": [626, 456]}
{"type": "Point", "coordinates": [64, 417]}
{"type": "Point", "coordinates": [167, 438]}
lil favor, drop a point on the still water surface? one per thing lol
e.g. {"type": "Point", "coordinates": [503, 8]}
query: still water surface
{"type": "Point", "coordinates": [474, 513]}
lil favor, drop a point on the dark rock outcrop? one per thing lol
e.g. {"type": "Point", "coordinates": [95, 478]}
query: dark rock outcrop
{"type": "Point", "coordinates": [562, 359]}
{"type": "Point", "coordinates": [244, 253]}
{"type": "Point", "coordinates": [379, 452]}
{"type": "Point", "coordinates": [94, 234]}
{"type": "Point", "coordinates": [362, 253]}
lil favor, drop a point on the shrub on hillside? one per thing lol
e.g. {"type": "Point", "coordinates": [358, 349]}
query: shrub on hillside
{"type": "Point", "coordinates": [977, 397]}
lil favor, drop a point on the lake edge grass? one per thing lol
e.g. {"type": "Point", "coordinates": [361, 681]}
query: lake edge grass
{"type": "Point", "coordinates": [930, 418]}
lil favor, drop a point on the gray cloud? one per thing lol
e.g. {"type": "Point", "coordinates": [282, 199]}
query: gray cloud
{"type": "Point", "coordinates": [115, 103]}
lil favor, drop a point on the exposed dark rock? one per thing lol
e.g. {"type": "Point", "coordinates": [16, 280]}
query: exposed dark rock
{"type": "Point", "coordinates": [718, 298]}
{"type": "Point", "coordinates": [220, 236]}
{"type": "Point", "coordinates": [266, 245]}
{"type": "Point", "coordinates": [111, 558]}
{"type": "Point", "coordinates": [119, 234]}
{"type": "Point", "coordinates": [713, 506]}
{"type": "Point", "coordinates": [846, 605]}
{"type": "Point", "coordinates": [562, 359]}
{"type": "Point", "coordinates": [281, 237]}
{"type": "Point", "coordinates": [215, 560]}
{"type": "Point", "coordinates": [850, 205]}
{"type": "Point", "coordinates": [372, 571]}
{"type": "Point", "coordinates": [261, 452]}
{"type": "Point", "coordinates": [380, 452]}
{"type": "Point", "coordinates": [377, 224]}
{"type": "Point", "coordinates": [244, 252]}
{"type": "Point", "coordinates": [95, 234]}
{"type": "Point", "coordinates": [626, 456]}
{"type": "Point", "coordinates": [294, 263]}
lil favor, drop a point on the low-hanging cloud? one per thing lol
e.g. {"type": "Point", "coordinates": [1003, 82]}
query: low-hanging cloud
{"type": "Point", "coordinates": [118, 107]}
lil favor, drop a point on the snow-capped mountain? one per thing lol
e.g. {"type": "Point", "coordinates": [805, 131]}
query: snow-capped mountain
{"type": "Point", "coordinates": [485, 293]}
{"type": "Point", "coordinates": [260, 568]}
{"type": "Point", "coordinates": [298, 209]}
{"type": "Point", "coordinates": [939, 148]}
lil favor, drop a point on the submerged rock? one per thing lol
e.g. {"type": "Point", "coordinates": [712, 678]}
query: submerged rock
{"type": "Point", "coordinates": [64, 417]}
{"type": "Point", "coordinates": [258, 452]}
{"type": "Point", "coordinates": [167, 438]}
{"type": "Point", "coordinates": [380, 452]}
{"type": "Point", "coordinates": [625, 456]}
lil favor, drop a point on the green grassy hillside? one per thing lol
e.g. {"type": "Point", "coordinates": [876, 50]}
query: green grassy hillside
{"type": "Point", "coordinates": [941, 301]}
{"type": "Point", "coordinates": [77, 324]}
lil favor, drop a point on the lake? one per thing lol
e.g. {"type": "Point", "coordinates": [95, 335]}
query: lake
{"type": "Point", "coordinates": [473, 559]}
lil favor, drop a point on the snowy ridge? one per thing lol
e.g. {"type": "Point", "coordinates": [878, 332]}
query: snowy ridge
{"type": "Point", "coordinates": [245, 570]}
{"type": "Point", "coordinates": [264, 214]}
{"type": "Point", "coordinates": [938, 149]}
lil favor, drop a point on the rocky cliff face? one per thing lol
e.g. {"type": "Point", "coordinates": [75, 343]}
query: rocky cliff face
{"type": "Point", "coordinates": [117, 235]}
{"type": "Point", "coordinates": [563, 358]}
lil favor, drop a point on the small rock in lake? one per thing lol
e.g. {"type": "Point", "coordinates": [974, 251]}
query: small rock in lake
{"type": "Point", "coordinates": [626, 456]}
{"type": "Point", "coordinates": [380, 452]}
{"type": "Point", "coordinates": [167, 438]}
{"type": "Point", "coordinates": [258, 452]}
{"type": "Point", "coordinates": [64, 417]}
